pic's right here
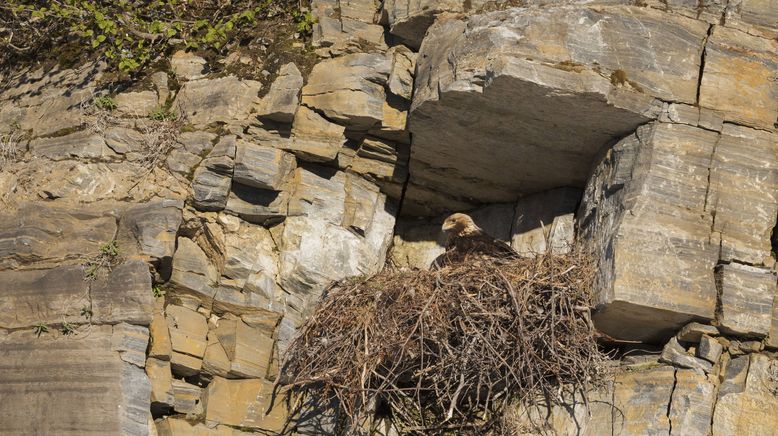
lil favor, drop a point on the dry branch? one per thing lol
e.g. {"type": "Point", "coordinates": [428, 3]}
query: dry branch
{"type": "Point", "coordinates": [447, 350]}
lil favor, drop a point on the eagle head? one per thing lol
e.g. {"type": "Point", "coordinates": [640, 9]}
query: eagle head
{"type": "Point", "coordinates": [459, 224]}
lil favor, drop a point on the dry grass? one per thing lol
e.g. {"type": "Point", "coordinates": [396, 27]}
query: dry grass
{"type": "Point", "coordinates": [447, 350]}
{"type": "Point", "coordinates": [10, 146]}
{"type": "Point", "coordinates": [158, 136]}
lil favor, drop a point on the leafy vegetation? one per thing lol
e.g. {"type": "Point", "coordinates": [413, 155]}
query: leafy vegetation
{"type": "Point", "coordinates": [130, 34]}
{"type": "Point", "coordinates": [40, 329]}
{"type": "Point", "coordinates": [67, 328]}
{"type": "Point", "coordinates": [158, 291]}
{"type": "Point", "coordinates": [87, 313]}
{"type": "Point", "coordinates": [105, 102]}
{"type": "Point", "coordinates": [105, 260]}
{"type": "Point", "coordinates": [163, 113]}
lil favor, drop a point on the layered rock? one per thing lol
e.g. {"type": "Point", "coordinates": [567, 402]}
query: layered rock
{"type": "Point", "coordinates": [88, 371]}
{"type": "Point", "coordinates": [587, 95]}
{"type": "Point", "coordinates": [645, 211]}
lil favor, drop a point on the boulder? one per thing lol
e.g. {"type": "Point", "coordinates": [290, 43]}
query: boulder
{"type": "Point", "coordinates": [136, 104]}
{"type": "Point", "coordinates": [709, 349]}
{"type": "Point", "coordinates": [691, 404]}
{"type": "Point", "coordinates": [349, 89]}
{"type": "Point", "coordinates": [248, 350]}
{"type": "Point", "coordinates": [187, 398]}
{"type": "Point", "coordinates": [249, 250]}
{"type": "Point", "coordinates": [403, 67]}
{"type": "Point", "coordinates": [188, 330]}
{"type": "Point", "coordinates": [313, 137]}
{"type": "Point", "coordinates": [338, 23]}
{"type": "Point", "coordinates": [694, 331]}
{"type": "Point", "coordinates": [149, 232]}
{"type": "Point", "coordinates": [210, 190]}
{"type": "Point", "coordinates": [262, 167]}
{"type": "Point", "coordinates": [243, 403]}
{"type": "Point", "coordinates": [259, 206]}
{"type": "Point", "coordinates": [645, 210]}
{"type": "Point", "coordinates": [280, 103]}
{"type": "Point", "coordinates": [382, 162]}
{"type": "Point", "coordinates": [131, 342]}
{"type": "Point", "coordinates": [49, 235]}
{"type": "Point", "coordinates": [160, 81]}
{"type": "Point", "coordinates": [676, 355]}
{"type": "Point", "coordinates": [587, 76]}
{"type": "Point", "coordinates": [206, 101]}
{"type": "Point", "coordinates": [744, 193]}
{"type": "Point", "coordinates": [193, 273]}
{"type": "Point", "coordinates": [42, 296]}
{"type": "Point", "coordinates": [188, 66]}
{"type": "Point", "coordinates": [337, 227]}
{"type": "Point", "coordinates": [213, 178]}
{"type": "Point", "coordinates": [124, 140]}
{"type": "Point", "coordinates": [159, 347]}
{"type": "Point", "coordinates": [162, 399]}
{"type": "Point", "coordinates": [182, 162]}
{"type": "Point", "coordinates": [80, 145]}
{"type": "Point", "coordinates": [197, 142]}
{"type": "Point", "coordinates": [643, 397]}
{"type": "Point", "coordinates": [94, 391]}
{"type": "Point", "coordinates": [746, 400]}
{"type": "Point", "coordinates": [409, 20]}
{"type": "Point", "coordinates": [123, 295]}
{"type": "Point", "coordinates": [746, 299]}
{"type": "Point", "coordinates": [738, 77]}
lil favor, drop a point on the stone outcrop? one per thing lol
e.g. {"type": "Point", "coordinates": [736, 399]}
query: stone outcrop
{"type": "Point", "coordinates": [92, 372]}
{"type": "Point", "coordinates": [281, 101]}
{"type": "Point", "coordinates": [644, 131]}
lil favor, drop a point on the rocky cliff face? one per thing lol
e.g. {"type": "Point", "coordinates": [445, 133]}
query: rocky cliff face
{"type": "Point", "coordinates": [151, 270]}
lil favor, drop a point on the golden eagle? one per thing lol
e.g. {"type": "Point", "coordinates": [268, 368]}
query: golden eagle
{"type": "Point", "coordinates": [464, 237]}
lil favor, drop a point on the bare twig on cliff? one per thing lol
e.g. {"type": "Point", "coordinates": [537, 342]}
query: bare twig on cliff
{"type": "Point", "coordinates": [447, 350]}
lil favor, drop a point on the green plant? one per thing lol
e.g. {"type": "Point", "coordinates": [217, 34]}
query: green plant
{"type": "Point", "coordinates": [67, 328]}
{"type": "Point", "coordinates": [105, 259]}
{"type": "Point", "coordinates": [90, 271]}
{"type": "Point", "coordinates": [158, 291]}
{"type": "Point", "coordinates": [162, 113]}
{"type": "Point", "coordinates": [40, 329]}
{"type": "Point", "coordinates": [110, 249]}
{"type": "Point", "coordinates": [86, 312]}
{"type": "Point", "coordinates": [128, 33]}
{"type": "Point", "coordinates": [105, 102]}
{"type": "Point", "coordinates": [304, 22]}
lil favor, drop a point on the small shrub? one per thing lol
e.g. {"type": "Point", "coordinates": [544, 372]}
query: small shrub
{"type": "Point", "coordinates": [109, 249]}
{"type": "Point", "coordinates": [104, 260]}
{"type": "Point", "coordinates": [105, 102]}
{"type": "Point", "coordinates": [67, 328]}
{"type": "Point", "coordinates": [128, 34]}
{"type": "Point", "coordinates": [304, 22]}
{"type": "Point", "coordinates": [162, 113]}
{"type": "Point", "coordinates": [158, 291]}
{"type": "Point", "coordinates": [86, 312]}
{"type": "Point", "coordinates": [40, 329]}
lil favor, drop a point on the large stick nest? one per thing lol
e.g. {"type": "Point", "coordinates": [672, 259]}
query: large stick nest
{"type": "Point", "coordinates": [447, 350]}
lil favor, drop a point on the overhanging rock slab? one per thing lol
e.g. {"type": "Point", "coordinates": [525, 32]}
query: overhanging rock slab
{"type": "Point", "coordinates": [519, 101]}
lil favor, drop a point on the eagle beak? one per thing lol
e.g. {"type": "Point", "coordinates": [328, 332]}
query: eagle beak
{"type": "Point", "coordinates": [447, 226]}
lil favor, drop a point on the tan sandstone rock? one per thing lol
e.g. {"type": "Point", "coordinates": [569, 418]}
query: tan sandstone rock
{"type": "Point", "coordinates": [651, 224]}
